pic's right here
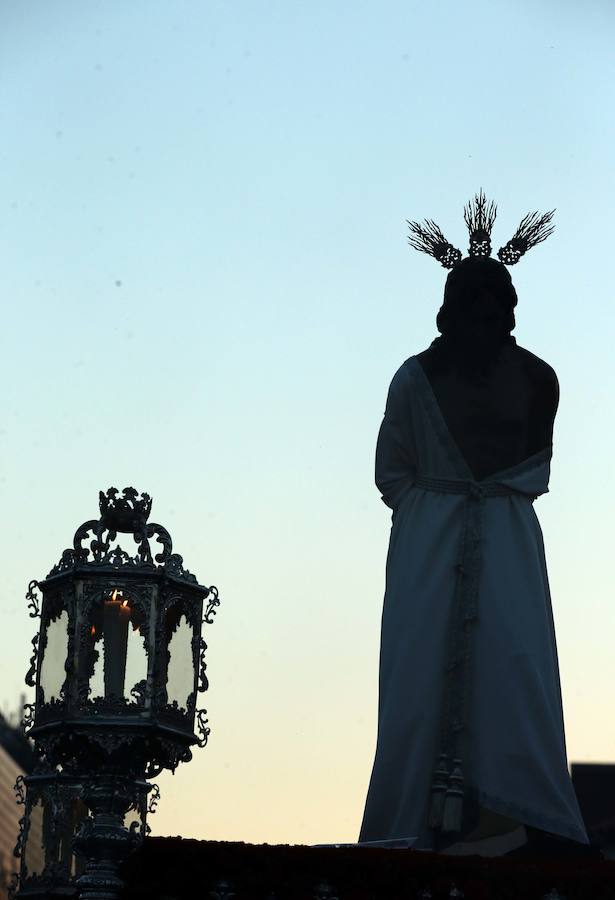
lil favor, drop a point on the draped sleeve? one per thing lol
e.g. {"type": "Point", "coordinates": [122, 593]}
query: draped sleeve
{"type": "Point", "coordinates": [395, 467]}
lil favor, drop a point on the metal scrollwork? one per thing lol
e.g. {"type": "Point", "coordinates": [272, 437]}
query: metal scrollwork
{"type": "Point", "coordinates": [153, 769]}
{"type": "Point", "coordinates": [28, 716]}
{"type": "Point", "coordinates": [173, 712]}
{"type": "Point", "coordinates": [19, 788]}
{"type": "Point", "coordinates": [204, 731]}
{"type": "Point", "coordinates": [17, 852]}
{"type": "Point", "coordinates": [50, 711]}
{"type": "Point", "coordinates": [81, 534]}
{"type": "Point", "coordinates": [139, 692]}
{"type": "Point", "coordinates": [213, 601]}
{"type": "Point", "coordinates": [153, 799]}
{"type": "Point", "coordinates": [106, 741]}
{"type": "Point", "coordinates": [203, 682]}
{"type": "Point", "coordinates": [118, 557]}
{"type": "Point", "coordinates": [104, 554]}
{"type": "Point", "coordinates": [174, 565]}
{"type": "Point", "coordinates": [101, 544]}
{"type": "Point", "coordinates": [144, 554]}
{"type": "Point", "coordinates": [33, 600]}
{"type": "Point", "coordinates": [69, 559]}
{"type": "Point", "coordinates": [112, 705]}
{"type": "Point", "coordinates": [162, 537]}
{"type": "Point", "coordinates": [127, 515]}
{"type": "Point", "coordinates": [31, 673]}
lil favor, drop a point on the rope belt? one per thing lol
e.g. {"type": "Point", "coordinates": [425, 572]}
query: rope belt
{"type": "Point", "coordinates": [447, 793]}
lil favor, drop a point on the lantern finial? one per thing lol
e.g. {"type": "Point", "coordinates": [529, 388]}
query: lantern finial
{"type": "Point", "coordinates": [126, 513]}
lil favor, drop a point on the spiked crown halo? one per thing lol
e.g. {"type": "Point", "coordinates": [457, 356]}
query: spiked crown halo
{"type": "Point", "coordinates": [479, 216]}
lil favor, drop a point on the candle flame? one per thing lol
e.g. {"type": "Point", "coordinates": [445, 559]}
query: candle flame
{"type": "Point", "coordinates": [93, 630]}
{"type": "Point", "coordinates": [116, 594]}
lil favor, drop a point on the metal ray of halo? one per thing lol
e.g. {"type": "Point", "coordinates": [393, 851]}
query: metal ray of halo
{"type": "Point", "coordinates": [428, 238]}
{"type": "Point", "coordinates": [532, 229]}
{"type": "Point", "coordinates": [479, 216]}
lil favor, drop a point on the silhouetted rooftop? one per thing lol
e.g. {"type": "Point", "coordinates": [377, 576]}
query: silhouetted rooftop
{"type": "Point", "coordinates": [17, 745]}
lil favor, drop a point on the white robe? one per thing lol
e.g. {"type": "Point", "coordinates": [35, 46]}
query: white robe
{"type": "Point", "coordinates": [515, 761]}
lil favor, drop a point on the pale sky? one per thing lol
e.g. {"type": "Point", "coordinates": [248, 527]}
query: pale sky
{"type": "Point", "coordinates": [207, 288]}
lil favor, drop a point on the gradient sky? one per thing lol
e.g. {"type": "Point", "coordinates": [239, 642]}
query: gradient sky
{"type": "Point", "coordinates": [206, 291]}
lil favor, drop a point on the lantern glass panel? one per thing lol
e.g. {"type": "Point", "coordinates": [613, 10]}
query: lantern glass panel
{"type": "Point", "coordinates": [77, 811]}
{"type": "Point", "coordinates": [34, 850]}
{"type": "Point", "coordinates": [119, 652]}
{"type": "Point", "coordinates": [53, 672]}
{"type": "Point", "coordinates": [180, 669]}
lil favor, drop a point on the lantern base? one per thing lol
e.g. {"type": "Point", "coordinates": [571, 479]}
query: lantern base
{"type": "Point", "coordinates": [103, 838]}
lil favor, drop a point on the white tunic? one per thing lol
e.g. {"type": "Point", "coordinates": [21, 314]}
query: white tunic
{"type": "Point", "coordinates": [512, 739]}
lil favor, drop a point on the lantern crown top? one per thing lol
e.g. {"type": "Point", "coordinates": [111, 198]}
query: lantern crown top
{"type": "Point", "coordinates": [94, 540]}
{"type": "Point", "coordinates": [127, 513]}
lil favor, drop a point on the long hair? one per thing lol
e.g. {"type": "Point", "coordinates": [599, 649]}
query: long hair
{"type": "Point", "coordinates": [463, 283]}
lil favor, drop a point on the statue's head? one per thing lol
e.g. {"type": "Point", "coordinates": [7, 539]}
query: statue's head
{"type": "Point", "coordinates": [479, 301]}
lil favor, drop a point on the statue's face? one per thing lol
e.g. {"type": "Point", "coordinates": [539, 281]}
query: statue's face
{"type": "Point", "coordinates": [482, 321]}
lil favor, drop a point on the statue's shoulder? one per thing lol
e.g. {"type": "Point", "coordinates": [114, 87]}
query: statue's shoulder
{"type": "Point", "coordinates": [427, 358]}
{"type": "Point", "coordinates": [405, 374]}
{"type": "Point", "coordinates": [539, 372]}
{"type": "Point", "coordinates": [544, 390]}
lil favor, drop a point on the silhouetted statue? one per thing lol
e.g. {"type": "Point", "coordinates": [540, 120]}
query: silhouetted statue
{"type": "Point", "coordinates": [471, 752]}
{"type": "Point", "coordinates": [499, 400]}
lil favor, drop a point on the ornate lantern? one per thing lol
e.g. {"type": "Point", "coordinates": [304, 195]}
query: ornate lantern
{"type": "Point", "coordinates": [117, 665]}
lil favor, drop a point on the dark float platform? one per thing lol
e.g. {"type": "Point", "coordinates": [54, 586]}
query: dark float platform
{"type": "Point", "coordinates": [181, 869]}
